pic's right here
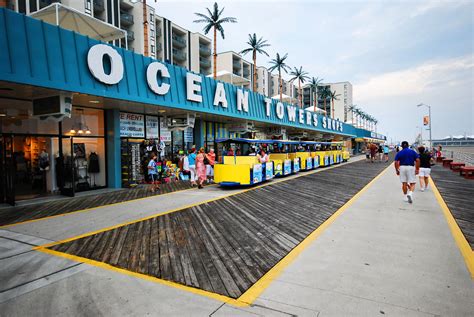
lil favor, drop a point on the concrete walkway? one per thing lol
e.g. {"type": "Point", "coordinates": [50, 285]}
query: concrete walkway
{"type": "Point", "coordinates": [382, 256]}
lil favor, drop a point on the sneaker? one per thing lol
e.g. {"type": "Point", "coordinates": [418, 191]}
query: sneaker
{"type": "Point", "coordinates": [405, 198]}
{"type": "Point", "coordinates": [410, 199]}
{"type": "Point", "coordinates": [422, 189]}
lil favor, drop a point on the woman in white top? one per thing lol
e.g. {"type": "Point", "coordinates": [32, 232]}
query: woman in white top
{"type": "Point", "coordinates": [262, 157]}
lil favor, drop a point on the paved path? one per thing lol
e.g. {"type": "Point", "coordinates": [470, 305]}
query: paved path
{"type": "Point", "coordinates": [382, 256]}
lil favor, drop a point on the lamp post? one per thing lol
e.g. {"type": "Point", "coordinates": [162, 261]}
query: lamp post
{"type": "Point", "coordinates": [421, 134]}
{"type": "Point", "coordinates": [429, 116]}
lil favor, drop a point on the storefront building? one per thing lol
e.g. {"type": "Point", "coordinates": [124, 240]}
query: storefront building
{"type": "Point", "coordinates": [77, 114]}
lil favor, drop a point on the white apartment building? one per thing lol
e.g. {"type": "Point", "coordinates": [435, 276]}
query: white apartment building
{"type": "Point", "coordinates": [344, 102]}
{"type": "Point", "coordinates": [232, 68]}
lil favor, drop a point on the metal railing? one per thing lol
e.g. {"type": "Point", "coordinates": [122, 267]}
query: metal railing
{"type": "Point", "coordinates": [126, 18]}
{"type": "Point", "coordinates": [178, 55]}
{"type": "Point", "coordinates": [204, 62]}
{"type": "Point", "coordinates": [130, 35]}
{"type": "Point", "coordinates": [204, 50]}
{"type": "Point", "coordinates": [460, 156]}
{"type": "Point", "coordinates": [178, 41]}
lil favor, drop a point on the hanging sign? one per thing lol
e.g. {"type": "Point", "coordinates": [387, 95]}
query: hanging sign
{"type": "Point", "coordinates": [165, 134]}
{"type": "Point", "coordinates": [151, 127]}
{"type": "Point", "coordinates": [132, 125]}
{"type": "Point", "coordinates": [257, 173]}
{"type": "Point", "coordinates": [426, 120]}
{"type": "Point", "coordinates": [188, 135]}
{"type": "Point", "coordinates": [269, 170]}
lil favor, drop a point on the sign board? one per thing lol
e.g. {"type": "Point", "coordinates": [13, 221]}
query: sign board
{"type": "Point", "coordinates": [165, 134]}
{"type": "Point", "coordinates": [287, 167]}
{"type": "Point", "coordinates": [257, 173]}
{"type": "Point", "coordinates": [296, 165]}
{"type": "Point", "coordinates": [132, 125]}
{"type": "Point", "coordinates": [316, 161]}
{"type": "Point", "coordinates": [188, 135]}
{"type": "Point", "coordinates": [309, 163]}
{"type": "Point", "coordinates": [269, 170]}
{"type": "Point", "coordinates": [426, 120]}
{"type": "Point", "coordinates": [152, 127]}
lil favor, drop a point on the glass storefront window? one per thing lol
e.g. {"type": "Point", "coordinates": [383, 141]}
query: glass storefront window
{"type": "Point", "coordinates": [17, 117]}
{"type": "Point", "coordinates": [84, 119]}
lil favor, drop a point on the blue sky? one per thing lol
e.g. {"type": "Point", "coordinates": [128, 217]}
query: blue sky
{"type": "Point", "coordinates": [396, 54]}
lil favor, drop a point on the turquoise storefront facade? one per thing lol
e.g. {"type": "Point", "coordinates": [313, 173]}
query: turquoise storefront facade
{"type": "Point", "coordinates": [43, 55]}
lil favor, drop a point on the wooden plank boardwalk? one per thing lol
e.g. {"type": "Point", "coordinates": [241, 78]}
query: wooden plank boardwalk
{"type": "Point", "coordinates": [12, 215]}
{"type": "Point", "coordinates": [458, 193]}
{"type": "Point", "coordinates": [225, 246]}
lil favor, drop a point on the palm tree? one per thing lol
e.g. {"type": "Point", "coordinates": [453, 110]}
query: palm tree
{"type": "Point", "coordinates": [301, 76]}
{"type": "Point", "coordinates": [214, 21]}
{"type": "Point", "coordinates": [255, 46]}
{"type": "Point", "coordinates": [279, 64]}
{"type": "Point", "coordinates": [352, 109]}
{"type": "Point", "coordinates": [333, 96]}
{"type": "Point", "coordinates": [375, 124]}
{"type": "Point", "coordinates": [314, 87]}
{"type": "Point", "coordinates": [324, 93]}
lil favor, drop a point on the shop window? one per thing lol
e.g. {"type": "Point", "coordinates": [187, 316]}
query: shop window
{"type": "Point", "coordinates": [16, 117]}
{"type": "Point", "coordinates": [84, 122]}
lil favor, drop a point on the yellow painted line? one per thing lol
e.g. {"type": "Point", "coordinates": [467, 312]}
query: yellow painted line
{"type": "Point", "coordinates": [256, 289]}
{"type": "Point", "coordinates": [92, 208]}
{"type": "Point", "coordinates": [246, 298]}
{"type": "Point", "coordinates": [463, 245]}
{"type": "Point", "coordinates": [106, 266]}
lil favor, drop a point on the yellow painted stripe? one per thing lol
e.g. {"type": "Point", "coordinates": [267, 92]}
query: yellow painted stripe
{"type": "Point", "coordinates": [106, 266]}
{"type": "Point", "coordinates": [93, 208]}
{"type": "Point", "coordinates": [253, 292]}
{"type": "Point", "coordinates": [463, 245]}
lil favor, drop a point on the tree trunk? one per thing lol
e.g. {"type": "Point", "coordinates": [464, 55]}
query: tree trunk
{"type": "Point", "coordinates": [215, 53]}
{"type": "Point", "coordinates": [325, 110]}
{"type": "Point", "coordinates": [332, 109]}
{"type": "Point", "coordinates": [145, 30]}
{"type": "Point", "coordinates": [254, 70]}
{"type": "Point", "coordinates": [281, 85]}
{"type": "Point", "coordinates": [314, 101]}
{"type": "Point", "coordinates": [301, 95]}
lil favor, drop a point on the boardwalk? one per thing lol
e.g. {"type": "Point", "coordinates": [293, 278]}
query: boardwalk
{"type": "Point", "coordinates": [18, 214]}
{"type": "Point", "coordinates": [458, 194]}
{"type": "Point", "coordinates": [225, 246]}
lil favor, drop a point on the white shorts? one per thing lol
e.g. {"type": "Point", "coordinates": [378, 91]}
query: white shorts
{"type": "Point", "coordinates": [209, 170]}
{"type": "Point", "coordinates": [424, 172]}
{"type": "Point", "coordinates": [407, 174]}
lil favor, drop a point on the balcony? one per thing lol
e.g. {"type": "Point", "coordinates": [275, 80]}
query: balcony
{"type": "Point", "coordinates": [246, 73]}
{"type": "Point", "coordinates": [126, 19]}
{"type": "Point", "coordinates": [204, 50]}
{"type": "Point", "coordinates": [236, 64]}
{"type": "Point", "coordinates": [204, 62]}
{"type": "Point", "coordinates": [126, 4]}
{"type": "Point", "coordinates": [158, 46]}
{"type": "Point", "coordinates": [179, 55]}
{"type": "Point", "coordinates": [158, 31]}
{"type": "Point", "coordinates": [130, 36]}
{"type": "Point", "coordinates": [179, 41]}
{"type": "Point", "coordinates": [99, 5]}
{"type": "Point", "coordinates": [42, 3]}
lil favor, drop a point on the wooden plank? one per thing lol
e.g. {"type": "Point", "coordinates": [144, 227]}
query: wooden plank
{"type": "Point", "coordinates": [165, 262]}
{"type": "Point", "coordinates": [154, 254]}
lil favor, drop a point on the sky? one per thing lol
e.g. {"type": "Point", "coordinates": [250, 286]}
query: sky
{"type": "Point", "coordinates": [396, 54]}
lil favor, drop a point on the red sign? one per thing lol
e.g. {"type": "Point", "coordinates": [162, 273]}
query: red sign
{"type": "Point", "coordinates": [426, 120]}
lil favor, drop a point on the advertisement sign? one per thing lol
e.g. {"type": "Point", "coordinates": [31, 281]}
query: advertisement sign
{"type": "Point", "coordinates": [165, 134]}
{"type": "Point", "coordinates": [269, 170]}
{"type": "Point", "coordinates": [426, 120]}
{"type": "Point", "coordinates": [287, 167]}
{"type": "Point", "coordinates": [132, 125]}
{"type": "Point", "coordinates": [316, 161]}
{"type": "Point", "coordinates": [326, 160]}
{"type": "Point", "coordinates": [257, 173]}
{"type": "Point", "coordinates": [296, 165]}
{"type": "Point", "coordinates": [309, 163]}
{"type": "Point", "coordinates": [331, 159]}
{"type": "Point", "coordinates": [278, 169]}
{"type": "Point", "coordinates": [188, 135]}
{"type": "Point", "coordinates": [151, 127]}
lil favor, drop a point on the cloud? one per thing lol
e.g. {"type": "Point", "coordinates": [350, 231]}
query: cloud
{"type": "Point", "coordinates": [423, 78]}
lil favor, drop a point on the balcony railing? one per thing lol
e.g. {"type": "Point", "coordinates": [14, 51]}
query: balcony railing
{"type": "Point", "coordinates": [204, 62]}
{"type": "Point", "coordinates": [158, 46]}
{"type": "Point", "coordinates": [130, 36]}
{"type": "Point", "coordinates": [206, 51]}
{"type": "Point", "coordinates": [126, 18]}
{"type": "Point", "coordinates": [178, 55]}
{"type": "Point", "coordinates": [246, 73]}
{"type": "Point", "coordinates": [158, 31]}
{"type": "Point", "coordinates": [99, 5]}
{"type": "Point", "coordinates": [42, 3]}
{"type": "Point", "coordinates": [179, 41]}
{"type": "Point", "coordinates": [236, 64]}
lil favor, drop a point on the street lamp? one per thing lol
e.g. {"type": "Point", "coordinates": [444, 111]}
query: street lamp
{"type": "Point", "coordinates": [429, 116]}
{"type": "Point", "coordinates": [421, 134]}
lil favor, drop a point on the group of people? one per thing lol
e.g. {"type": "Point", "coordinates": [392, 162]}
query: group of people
{"type": "Point", "coordinates": [375, 152]}
{"type": "Point", "coordinates": [408, 165]}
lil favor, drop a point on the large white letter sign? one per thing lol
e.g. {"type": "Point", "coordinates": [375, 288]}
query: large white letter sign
{"type": "Point", "coordinates": [193, 87]}
{"type": "Point", "coordinates": [242, 100]}
{"type": "Point", "coordinates": [301, 116]}
{"type": "Point", "coordinates": [308, 117]}
{"type": "Point", "coordinates": [95, 61]}
{"type": "Point", "coordinates": [280, 110]}
{"type": "Point", "coordinates": [219, 97]}
{"type": "Point", "coordinates": [151, 77]}
{"type": "Point", "coordinates": [291, 113]}
{"type": "Point", "coordinates": [315, 119]}
{"type": "Point", "coordinates": [268, 103]}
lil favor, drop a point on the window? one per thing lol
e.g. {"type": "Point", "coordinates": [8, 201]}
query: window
{"type": "Point", "coordinates": [153, 49]}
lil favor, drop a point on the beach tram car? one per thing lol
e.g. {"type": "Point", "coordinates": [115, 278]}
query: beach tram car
{"type": "Point", "coordinates": [307, 154]}
{"type": "Point", "coordinates": [336, 152]}
{"type": "Point", "coordinates": [324, 154]}
{"type": "Point", "coordinates": [284, 156]}
{"type": "Point", "coordinates": [346, 155]}
{"type": "Point", "coordinates": [239, 164]}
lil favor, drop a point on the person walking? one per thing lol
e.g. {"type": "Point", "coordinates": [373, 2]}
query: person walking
{"type": "Point", "coordinates": [192, 166]}
{"type": "Point", "coordinates": [211, 159]}
{"type": "Point", "coordinates": [380, 152]}
{"type": "Point", "coordinates": [373, 151]}
{"type": "Point", "coordinates": [386, 150]}
{"type": "Point", "coordinates": [367, 153]}
{"type": "Point", "coordinates": [407, 165]}
{"type": "Point", "coordinates": [200, 168]}
{"type": "Point", "coordinates": [153, 173]}
{"type": "Point", "coordinates": [425, 167]}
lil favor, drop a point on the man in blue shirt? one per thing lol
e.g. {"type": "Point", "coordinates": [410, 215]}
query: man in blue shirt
{"type": "Point", "coordinates": [407, 166]}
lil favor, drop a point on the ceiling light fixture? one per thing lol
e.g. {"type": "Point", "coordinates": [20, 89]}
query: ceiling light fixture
{"type": "Point", "coordinates": [94, 101]}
